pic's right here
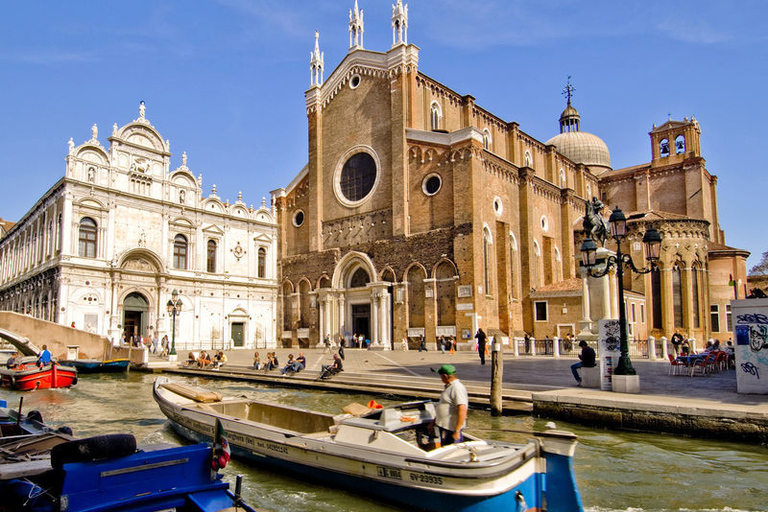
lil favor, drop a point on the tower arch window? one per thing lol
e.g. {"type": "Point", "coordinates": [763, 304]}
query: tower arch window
{"type": "Point", "coordinates": [664, 148]}
{"type": "Point", "coordinates": [262, 263]}
{"type": "Point", "coordinates": [210, 260]}
{"type": "Point", "coordinates": [435, 115]}
{"type": "Point", "coordinates": [87, 238]}
{"type": "Point", "coordinates": [680, 145]}
{"type": "Point", "coordinates": [180, 249]}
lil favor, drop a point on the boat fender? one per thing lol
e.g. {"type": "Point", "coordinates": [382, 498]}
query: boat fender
{"type": "Point", "coordinates": [35, 416]}
{"type": "Point", "coordinates": [64, 430]}
{"type": "Point", "coordinates": [109, 446]}
{"type": "Point", "coordinates": [74, 381]}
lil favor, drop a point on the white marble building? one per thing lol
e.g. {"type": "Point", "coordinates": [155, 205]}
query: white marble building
{"type": "Point", "coordinates": [106, 246]}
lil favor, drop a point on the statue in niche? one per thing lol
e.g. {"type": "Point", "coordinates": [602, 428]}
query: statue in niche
{"type": "Point", "coordinates": [182, 196]}
{"type": "Point", "coordinates": [594, 223]}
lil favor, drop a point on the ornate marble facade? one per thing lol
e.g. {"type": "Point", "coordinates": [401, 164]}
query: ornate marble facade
{"type": "Point", "coordinates": [105, 247]}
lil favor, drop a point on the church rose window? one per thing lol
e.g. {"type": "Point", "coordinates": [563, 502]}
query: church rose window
{"type": "Point", "coordinates": [358, 176]}
{"type": "Point", "coordinates": [432, 184]}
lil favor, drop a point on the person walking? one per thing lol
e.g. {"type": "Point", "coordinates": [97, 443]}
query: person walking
{"type": "Point", "coordinates": [481, 339]}
{"type": "Point", "coordinates": [451, 416]}
{"type": "Point", "coordinates": [422, 343]}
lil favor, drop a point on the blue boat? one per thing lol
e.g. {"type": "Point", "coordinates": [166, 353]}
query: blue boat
{"type": "Point", "coordinates": [106, 473]}
{"type": "Point", "coordinates": [98, 366]}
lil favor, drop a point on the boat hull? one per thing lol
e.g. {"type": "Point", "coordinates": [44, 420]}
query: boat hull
{"type": "Point", "coordinates": [32, 377]}
{"type": "Point", "coordinates": [509, 483]}
{"type": "Point", "coordinates": [93, 366]}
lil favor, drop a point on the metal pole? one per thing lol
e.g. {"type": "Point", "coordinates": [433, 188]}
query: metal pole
{"type": "Point", "coordinates": [173, 333]}
{"type": "Point", "coordinates": [625, 365]}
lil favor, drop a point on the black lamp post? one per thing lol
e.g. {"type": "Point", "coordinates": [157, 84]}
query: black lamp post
{"type": "Point", "coordinates": [652, 241]}
{"type": "Point", "coordinates": [174, 309]}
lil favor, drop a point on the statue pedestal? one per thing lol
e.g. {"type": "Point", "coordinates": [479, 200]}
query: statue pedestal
{"type": "Point", "coordinates": [625, 383]}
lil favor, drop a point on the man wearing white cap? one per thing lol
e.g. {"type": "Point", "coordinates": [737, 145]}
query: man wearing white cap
{"type": "Point", "coordinates": [452, 407]}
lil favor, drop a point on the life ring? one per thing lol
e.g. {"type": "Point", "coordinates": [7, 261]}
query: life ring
{"type": "Point", "coordinates": [110, 446]}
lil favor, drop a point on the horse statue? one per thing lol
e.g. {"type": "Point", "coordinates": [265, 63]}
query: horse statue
{"type": "Point", "coordinates": [595, 224]}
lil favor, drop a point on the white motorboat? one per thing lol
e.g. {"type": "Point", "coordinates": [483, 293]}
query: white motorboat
{"type": "Point", "coordinates": [381, 453]}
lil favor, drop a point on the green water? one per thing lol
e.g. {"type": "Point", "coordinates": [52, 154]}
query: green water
{"type": "Point", "coordinates": [616, 471]}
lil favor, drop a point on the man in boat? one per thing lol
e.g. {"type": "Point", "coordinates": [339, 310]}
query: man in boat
{"type": "Point", "coordinates": [44, 358]}
{"type": "Point", "coordinates": [13, 361]}
{"type": "Point", "coordinates": [452, 408]}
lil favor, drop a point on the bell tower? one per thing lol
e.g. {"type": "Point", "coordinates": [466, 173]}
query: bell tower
{"type": "Point", "coordinates": [674, 141]}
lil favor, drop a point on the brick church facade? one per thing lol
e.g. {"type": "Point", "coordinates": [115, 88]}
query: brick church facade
{"type": "Point", "coordinates": [420, 213]}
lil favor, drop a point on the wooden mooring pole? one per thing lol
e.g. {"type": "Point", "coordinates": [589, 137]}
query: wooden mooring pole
{"type": "Point", "coordinates": [497, 375]}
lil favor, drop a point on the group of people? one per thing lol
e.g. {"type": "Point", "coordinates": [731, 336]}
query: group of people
{"type": "Point", "coordinates": [204, 360]}
{"type": "Point", "coordinates": [294, 365]}
{"type": "Point", "coordinates": [43, 358]}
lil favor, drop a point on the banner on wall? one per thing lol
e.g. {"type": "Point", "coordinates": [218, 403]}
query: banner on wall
{"type": "Point", "coordinates": [750, 321]}
{"type": "Point", "coordinates": [610, 349]}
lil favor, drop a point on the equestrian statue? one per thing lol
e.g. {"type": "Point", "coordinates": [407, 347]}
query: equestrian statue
{"type": "Point", "coordinates": [595, 224]}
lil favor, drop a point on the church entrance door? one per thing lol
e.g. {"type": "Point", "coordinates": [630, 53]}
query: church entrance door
{"type": "Point", "coordinates": [135, 313]}
{"type": "Point", "coordinates": [361, 319]}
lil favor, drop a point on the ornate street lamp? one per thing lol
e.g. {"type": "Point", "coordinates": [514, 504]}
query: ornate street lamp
{"type": "Point", "coordinates": [174, 309]}
{"type": "Point", "coordinates": [652, 242]}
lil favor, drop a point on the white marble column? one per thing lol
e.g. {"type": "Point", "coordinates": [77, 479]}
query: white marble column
{"type": "Point", "coordinates": [375, 318]}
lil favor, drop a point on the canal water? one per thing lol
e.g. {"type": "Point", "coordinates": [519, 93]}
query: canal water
{"type": "Point", "coordinates": [616, 471]}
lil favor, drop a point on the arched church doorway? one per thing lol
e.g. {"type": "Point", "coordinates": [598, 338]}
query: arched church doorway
{"type": "Point", "coordinates": [135, 316]}
{"type": "Point", "coordinates": [361, 320]}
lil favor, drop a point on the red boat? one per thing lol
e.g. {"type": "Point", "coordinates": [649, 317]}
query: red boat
{"type": "Point", "coordinates": [27, 377]}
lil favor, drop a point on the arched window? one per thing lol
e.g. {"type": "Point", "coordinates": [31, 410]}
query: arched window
{"type": "Point", "coordinates": [359, 279]}
{"type": "Point", "coordinates": [695, 297]}
{"type": "Point", "coordinates": [180, 247]}
{"type": "Point", "coordinates": [680, 145]}
{"type": "Point", "coordinates": [262, 263]}
{"type": "Point", "coordinates": [487, 240]}
{"type": "Point", "coordinates": [677, 295]}
{"type": "Point", "coordinates": [87, 238]}
{"type": "Point", "coordinates": [487, 139]}
{"type": "Point", "coordinates": [656, 298]}
{"type": "Point", "coordinates": [211, 256]}
{"type": "Point", "coordinates": [434, 116]}
{"type": "Point", "coordinates": [664, 147]}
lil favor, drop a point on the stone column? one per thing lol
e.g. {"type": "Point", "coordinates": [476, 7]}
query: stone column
{"type": "Point", "coordinates": [608, 296]}
{"type": "Point", "coordinates": [652, 348]}
{"type": "Point", "coordinates": [556, 347]}
{"type": "Point", "coordinates": [374, 317]}
{"type": "Point", "coordinates": [664, 348]}
{"type": "Point", "coordinates": [586, 321]}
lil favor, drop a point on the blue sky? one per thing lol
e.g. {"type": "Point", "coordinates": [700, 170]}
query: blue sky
{"type": "Point", "coordinates": [224, 80]}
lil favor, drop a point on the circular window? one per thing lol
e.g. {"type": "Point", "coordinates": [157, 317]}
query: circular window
{"type": "Point", "coordinates": [498, 206]}
{"type": "Point", "coordinates": [431, 184]}
{"type": "Point", "coordinates": [356, 176]}
{"type": "Point", "coordinates": [298, 218]}
{"type": "Point", "coordinates": [354, 82]}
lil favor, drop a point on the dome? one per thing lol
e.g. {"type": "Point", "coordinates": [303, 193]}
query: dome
{"type": "Point", "coordinates": [582, 148]}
